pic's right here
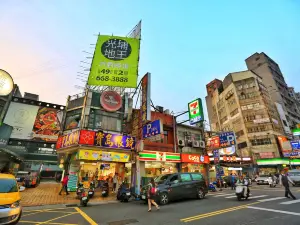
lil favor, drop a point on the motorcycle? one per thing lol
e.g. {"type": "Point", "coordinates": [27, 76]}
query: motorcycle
{"type": "Point", "coordinates": [105, 189]}
{"type": "Point", "coordinates": [272, 182]}
{"type": "Point", "coordinates": [79, 190]}
{"type": "Point", "coordinates": [84, 199]}
{"type": "Point", "coordinates": [212, 187]}
{"type": "Point", "coordinates": [92, 189]}
{"type": "Point", "coordinates": [241, 192]}
{"type": "Point", "coordinates": [124, 193]}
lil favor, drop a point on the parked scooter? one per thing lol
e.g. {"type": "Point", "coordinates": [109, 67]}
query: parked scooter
{"type": "Point", "coordinates": [92, 189]}
{"type": "Point", "coordinates": [272, 182]}
{"type": "Point", "coordinates": [212, 187]}
{"type": "Point", "coordinates": [241, 192]}
{"type": "Point", "coordinates": [84, 198]}
{"type": "Point", "coordinates": [105, 189]}
{"type": "Point", "coordinates": [124, 193]}
{"type": "Point", "coordinates": [79, 190]}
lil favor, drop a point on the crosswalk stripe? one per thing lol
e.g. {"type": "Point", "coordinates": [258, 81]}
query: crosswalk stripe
{"type": "Point", "coordinates": [222, 195]}
{"type": "Point", "coordinates": [290, 202]}
{"type": "Point", "coordinates": [270, 199]}
{"type": "Point", "coordinates": [234, 196]}
{"type": "Point", "coordinates": [260, 196]}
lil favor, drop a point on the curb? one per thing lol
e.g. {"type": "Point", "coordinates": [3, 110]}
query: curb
{"type": "Point", "coordinates": [39, 207]}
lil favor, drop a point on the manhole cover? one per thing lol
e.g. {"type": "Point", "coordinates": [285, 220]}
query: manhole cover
{"type": "Point", "coordinates": [123, 222]}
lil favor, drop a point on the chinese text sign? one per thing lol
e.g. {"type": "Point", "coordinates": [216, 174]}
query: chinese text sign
{"type": "Point", "coordinates": [145, 99]}
{"type": "Point", "coordinates": [115, 62]}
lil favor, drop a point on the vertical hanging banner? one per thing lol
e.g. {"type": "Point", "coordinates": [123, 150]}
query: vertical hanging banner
{"type": "Point", "coordinates": [195, 111]}
{"type": "Point", "coordinates": [145, 99]}
{"type": "Point", "coordinates": [115, 62]}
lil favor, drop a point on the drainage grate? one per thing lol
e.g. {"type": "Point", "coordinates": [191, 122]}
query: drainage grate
{"type": "Point", "coordinates": [123, 222]}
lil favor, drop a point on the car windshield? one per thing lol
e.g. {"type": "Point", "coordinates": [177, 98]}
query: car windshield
{"type": "Point", "coordinates": [8, 185]}
{"type": "Point", "coordinates": [294, 174]}
{"type": "Point", "coordinates": [162, 178]}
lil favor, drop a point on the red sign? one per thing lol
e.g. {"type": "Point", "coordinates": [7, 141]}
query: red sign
{"type": "Point", "coordinates": [111, 101]}
{"type": "Point", "coordinates": [68, 140]}
{"type": "Point", "coordinates": [87, 137]}
{"type": "Point", "coordinates": [194, 158]}
{"type": "Point", "coordinates": [214, 142]}
{"type": "Point", "coordinates": [266, 155]}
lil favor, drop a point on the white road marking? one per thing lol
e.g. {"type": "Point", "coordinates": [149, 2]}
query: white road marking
{"type": "Point", "coordinates": [271, 199]}
{"type": "Point", "coordinates": [234, 196]}
{"type": "Point", "coordinates": [290, 202]}
{"type": "Point", "coordinates": [260, 196]}
{"type": "Point", "coordinates": [223, 195]}
{"type": "Point", "coordinates": [274, 210]}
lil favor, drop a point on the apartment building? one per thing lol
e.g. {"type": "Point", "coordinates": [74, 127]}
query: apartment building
{"type": "Point", "coordinates": [274, 81]}
{"type": "Point", "coordinates": [241, 103]}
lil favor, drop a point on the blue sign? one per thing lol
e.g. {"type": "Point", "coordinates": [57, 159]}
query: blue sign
{"type": "Point", "coordinates": [227, 139]}
{"type": "Point", "coordinates": [219, 171]}
{"type": "Point", "coordinates": [152, 129]}
{"type": "Point", "coordinates": [216, 156]}
{"type": "Point", "coordinates": [295, 145]}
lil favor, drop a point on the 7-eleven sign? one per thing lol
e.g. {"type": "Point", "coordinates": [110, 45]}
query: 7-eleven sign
{"type": "Point", "coordinates": [195, 111]}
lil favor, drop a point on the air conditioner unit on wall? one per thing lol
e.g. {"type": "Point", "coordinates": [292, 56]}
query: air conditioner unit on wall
{"type": "Point", "coordinates": [196, 144]}
{"type": "Point", "coordinates": [181, 143]}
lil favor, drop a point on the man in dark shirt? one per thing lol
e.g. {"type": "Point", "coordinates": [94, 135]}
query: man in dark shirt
{"type": "Point", "coordinates": [285, 179]}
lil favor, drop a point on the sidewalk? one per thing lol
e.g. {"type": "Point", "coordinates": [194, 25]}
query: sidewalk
{"type": "Point", "coordinates": [47, 194]}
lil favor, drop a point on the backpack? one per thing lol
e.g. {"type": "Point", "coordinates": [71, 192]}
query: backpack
{"type": "Point", "coordinates": [152, 190]}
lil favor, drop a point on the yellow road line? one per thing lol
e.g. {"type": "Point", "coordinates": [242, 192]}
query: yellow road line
{"type": "Point", "coordinates": [36, 222]}
{"type": "Point", "coordinates": [85, 216]}
{"type": "Point", "coordinates": [42, 210]}
{"type": "Point", "coordinates": [56, 218]}
{"type": "Point", "coordinates": [46, 211]}
{"type": "Point", "coordinates": [201, 216]}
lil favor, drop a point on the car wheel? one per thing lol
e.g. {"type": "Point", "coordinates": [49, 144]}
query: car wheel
{"type": "Point", "coordinates": [164, 199]}
{"type": "Point", "coordinates": [200, 193]}
{"type": "Point", "coordinates": [17, 221]}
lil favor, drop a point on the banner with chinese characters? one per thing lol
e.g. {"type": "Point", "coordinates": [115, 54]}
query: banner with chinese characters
{"type": "Point", "coordinates": [216, 155]}
{"type": "Point", "coordinates": [106, 140]}
{"type": "Point", "coordinates": [145, 99]}
{"type": "Point", "coordinates": [68, 140]}
{"type": "Point", "coordinates": [103, 156]}
{"type": "Point", "coordinates": [115, 62]}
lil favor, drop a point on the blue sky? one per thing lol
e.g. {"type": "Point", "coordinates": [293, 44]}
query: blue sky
{"type": "Point", "coordinates": [185, 44]}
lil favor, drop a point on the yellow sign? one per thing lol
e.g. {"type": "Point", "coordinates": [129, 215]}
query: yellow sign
{"type": "Point", "coordinates": [115, 62]}
{"type": "Point", "coordinates": [103, 156]}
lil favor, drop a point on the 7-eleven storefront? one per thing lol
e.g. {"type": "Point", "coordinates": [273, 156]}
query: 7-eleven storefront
{"type": "Point", "coordinates": [152, 164]}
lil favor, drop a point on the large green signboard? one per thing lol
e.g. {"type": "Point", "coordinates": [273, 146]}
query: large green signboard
{"type": "Point", "coordinates": [115, 62]}
{"type": "Point", "coordinates": [195, 111]}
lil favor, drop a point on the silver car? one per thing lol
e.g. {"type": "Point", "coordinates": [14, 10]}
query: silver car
{"type": "Point", "coordinates": [295, 176]}
{"type": "Point", "coordinates": [262, 179]}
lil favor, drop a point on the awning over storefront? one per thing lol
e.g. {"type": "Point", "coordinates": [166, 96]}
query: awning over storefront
{"type": "Point", "coordinates": [277, 161]}
{"type": "Point", "coordinates": [98, 155]}
{"type": "Point", "coordinates": [159, 156]}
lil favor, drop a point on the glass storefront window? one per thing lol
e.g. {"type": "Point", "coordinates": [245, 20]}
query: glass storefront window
{"type": "Point", "coordinates": [153, 169]}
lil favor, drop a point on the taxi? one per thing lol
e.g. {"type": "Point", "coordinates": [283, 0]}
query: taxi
{"type": "Point", "coordinates": [10, 208]}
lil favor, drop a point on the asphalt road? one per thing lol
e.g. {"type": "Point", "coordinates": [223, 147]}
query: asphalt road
{"type": "Point", "coordinates": [266, 206]}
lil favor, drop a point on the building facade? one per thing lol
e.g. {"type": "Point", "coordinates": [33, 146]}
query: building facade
{"type": "Point", "coordinates": [279, 91]}
{"type": "Point", "coordinates": [242, 104]}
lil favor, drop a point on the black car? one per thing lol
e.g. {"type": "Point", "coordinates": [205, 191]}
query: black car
{"type": "Point", "coordinates": [177, 186]}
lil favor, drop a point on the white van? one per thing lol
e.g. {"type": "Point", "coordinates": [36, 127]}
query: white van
{"type": "Point", "coordinates": [295, 176]}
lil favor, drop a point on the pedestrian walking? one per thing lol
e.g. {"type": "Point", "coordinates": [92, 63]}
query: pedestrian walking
{"type": "Point", "coordinates": [285, 179]}
{"type": "Point", "coordinates": [65, 184]}
{"type": "Point", "coordinates": [151, 195]}
{"type": "Point", "coordinates": [27, 180]}
{"type": "Point", "coordinates": [115, 181]}
{"type": "Point", "coordinates": [232, 182]}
